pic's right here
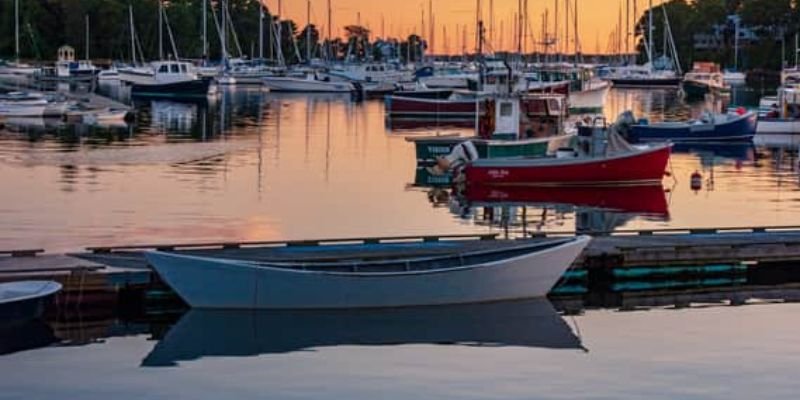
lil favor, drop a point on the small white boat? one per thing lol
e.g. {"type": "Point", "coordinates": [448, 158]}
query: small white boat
{"type": "Point", "coordinates": [592, 96]}
{"type": "Point", "coordinates": [309, 84]}
{"type": "Point", "coordinates": [508, 270]}
{"type": "Point", "coordinates": [780, 114]}
{"type": "Point", "coordinates": [25, 300]}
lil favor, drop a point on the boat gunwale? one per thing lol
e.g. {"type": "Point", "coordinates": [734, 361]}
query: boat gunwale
{"type": "Point", "coordinates": [48, 288]}
{"type": "Point", "coordinates": [546, 162]}
{"type": "Point", "coordinates": [555, 245]}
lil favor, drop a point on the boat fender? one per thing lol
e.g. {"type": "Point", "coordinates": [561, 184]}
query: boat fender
{"type": "Point", "coordinates": [697, 181]}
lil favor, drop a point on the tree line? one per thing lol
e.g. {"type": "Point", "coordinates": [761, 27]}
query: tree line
{"type": "Point", "coordinates": [775, 22]}
{"type": "Point", "coordinates": [46, 25]}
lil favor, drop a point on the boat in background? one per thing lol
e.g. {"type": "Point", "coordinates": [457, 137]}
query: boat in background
{"type": "Point", "coordinates": [732, 126]}
{"type": "Point", "coordinates": [643, 77]}
{"type": "Point", "coordinates": [25, 300]}
{"type": "Point", "coordinates": [497, 271]}
{"type": "Point", "coordinates": [460, 106]}
{"type": "Point", "coordinates": [704, 78]}
{"type": "Point", "coordinates": [514, 126]}
{"type": "Point", "coordinates": [308, 84]}
{"type": "Point", "coordinates": [167, 79]}
{"type": "Point", "coordinates": [781, 114]}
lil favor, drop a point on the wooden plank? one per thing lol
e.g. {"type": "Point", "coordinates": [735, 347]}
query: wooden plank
{"type": "Point", "coordinates": [22, 252]}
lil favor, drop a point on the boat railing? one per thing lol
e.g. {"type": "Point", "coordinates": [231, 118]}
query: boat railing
{"type": "Point", "coordinates": [293, 243]}
{"type": "Point", "coordinates": [671, 231]}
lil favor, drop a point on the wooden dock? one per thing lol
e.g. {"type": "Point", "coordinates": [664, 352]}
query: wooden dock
{"type": "Point", "coordinates": [107, 270]}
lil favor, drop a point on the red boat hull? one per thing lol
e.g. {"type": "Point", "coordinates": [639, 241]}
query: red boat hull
{"type": "Point", "coordinates": [645, 200]}
{"type": "Point", "coordinates": [643, 167]}
{"type": "Point", "coordinates": [406, 107]}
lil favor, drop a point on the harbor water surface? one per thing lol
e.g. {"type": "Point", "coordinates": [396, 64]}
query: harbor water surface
{"type": "Point", "coordinates": [251, 165]}
{"type": "Point", "coordinates": [257, 166]}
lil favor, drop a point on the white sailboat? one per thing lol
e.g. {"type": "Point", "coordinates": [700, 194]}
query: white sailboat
{"type": "Point", "coordinates": [16, 70]}
{"type": "Point", "coordinates": [651, 74]}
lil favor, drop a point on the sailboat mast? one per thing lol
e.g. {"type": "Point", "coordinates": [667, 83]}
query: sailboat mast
{"type": "Point", "coordinates": [650, 35]}
{"type": "Point", "coordinates": [133, 35]}
{"type": "Point", "coordinates": [627, 27]}
{"type": "Point", "coordinates": [308, 31]}
{"type": "Point", "coordinates": [566, 28]}
{"type": "Point", "coordinates": [491, 23]}
{"type": "Point", "coordinates": [577, 39]}
{"type": "Point", "coordinates": [205, 29]}
{"type": "Point", "coordinates": [87, 36]}
{"type": "Point", "coordinates": [224, 33]}
{"type": "Point", "coordinates": [330, 37]}
{"type": "Point", "coordinates": [260, 31]}
{"type": "Point", "coordinates": [16, 29]}
{"type": "Point", "coordinates": [557, 33]}
{"type": "Point", "coordinates": [430, 27]}
{"type": "Point", "coordinates": [160, 30]}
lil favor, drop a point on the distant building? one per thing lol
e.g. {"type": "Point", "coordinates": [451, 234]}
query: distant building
{"type": "Point", "coordinates": [714, 40]}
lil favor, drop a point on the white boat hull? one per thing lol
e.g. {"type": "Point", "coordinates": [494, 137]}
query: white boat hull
{"type": "Point", "coordinates": [288, 84]}
{"type": "Point", "coordinates": [448, 82]}
{"type": "Point", "coordinates": [214, 283]}
{"type": "Point", "coordinates": [592, 99]}
{"type": "Point", "coordinates": [22, 110]}
{"type": "Point", "coordinates": [767, 126]}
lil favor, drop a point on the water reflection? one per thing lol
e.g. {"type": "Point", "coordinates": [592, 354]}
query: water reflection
{"type": "Point", "coordinates": [253, 165]}
{"type": "Point", "coordinates": [18, 336]}
{"type": "Point", "coordinates": [208, 333]}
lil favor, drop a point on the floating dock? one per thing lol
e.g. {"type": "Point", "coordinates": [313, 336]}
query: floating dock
{"type": "Point", "coordinates": [615, 261]}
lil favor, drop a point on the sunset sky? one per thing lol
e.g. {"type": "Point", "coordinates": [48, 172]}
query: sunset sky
{"type": "Point", "coordinates": [597, 19]}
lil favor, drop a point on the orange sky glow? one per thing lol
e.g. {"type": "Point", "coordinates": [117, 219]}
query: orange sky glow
{"type": "Point", "coordinates": [597, 20]}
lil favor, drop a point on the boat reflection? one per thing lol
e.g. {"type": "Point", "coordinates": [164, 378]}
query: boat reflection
{"type": "Point", "coordinates": [173, 116]}
{"type": "Point", "coordinates": [214, 333]}
{"type": "Point", "coordinates": [710, 152]}
{"type": "Point", "coordinates": [643, 200]}
{"type": "Point", "coordinates": [596, 209]}
{"type": "Point", "coordinates": [25, 335]}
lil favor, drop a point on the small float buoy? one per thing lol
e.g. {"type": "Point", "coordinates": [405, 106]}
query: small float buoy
{"type": "Point", "coordinates": [697, 181]}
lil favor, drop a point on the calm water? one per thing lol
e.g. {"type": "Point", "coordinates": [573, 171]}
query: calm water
{"type": "Point", "coordinates": [508, 351]}
{"type": "Point", "coordinates": [251, 165]}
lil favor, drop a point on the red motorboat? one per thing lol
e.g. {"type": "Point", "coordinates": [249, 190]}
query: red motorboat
{"type": "Point", "coordinates": [644, 200]}
{"type": "Point", "coordinates": [600, 158]}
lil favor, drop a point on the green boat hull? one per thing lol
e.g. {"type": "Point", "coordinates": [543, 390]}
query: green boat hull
{"type": "Point", "coordinates": [429, 150]}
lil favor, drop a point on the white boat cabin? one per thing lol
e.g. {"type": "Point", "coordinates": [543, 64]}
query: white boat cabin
{"type": "Point", "coordinates": [526, 117]}
{"type": "Point", "coordinates": [173, 71]}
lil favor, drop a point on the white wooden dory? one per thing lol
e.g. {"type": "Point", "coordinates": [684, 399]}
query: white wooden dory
{"type": "Point", "coordinates": [527, 270]}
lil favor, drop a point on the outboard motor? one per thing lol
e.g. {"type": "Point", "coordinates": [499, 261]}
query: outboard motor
{"type": "Point", "coordinates": [624, 124]}
{"type": "Point", "coordinates": [455, 162]}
